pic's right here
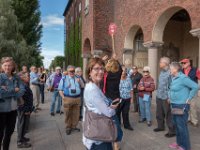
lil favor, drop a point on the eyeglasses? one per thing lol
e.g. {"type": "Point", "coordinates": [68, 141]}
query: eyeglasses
{"type": "Point", "coordinates": [98, 69]}
{"type": "Point", "coordinates": [145, 71]}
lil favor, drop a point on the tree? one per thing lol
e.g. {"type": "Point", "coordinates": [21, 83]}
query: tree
{"type": "Point", "coordinates": [29, 15]}
{"type": "Point", "coordinates": [11, 42]}
{"type": "Point", "coordinates": [58, 61]}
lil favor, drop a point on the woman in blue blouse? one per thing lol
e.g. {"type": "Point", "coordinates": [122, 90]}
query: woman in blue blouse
{"type": "Point", "coordinates": [182, 90]}
{"type": "Point", "coordinates": [11, 88]}
{"type": "Point", "coordinates": [125, 88]}
{"type": "Point", "coordinates": [96, 101]}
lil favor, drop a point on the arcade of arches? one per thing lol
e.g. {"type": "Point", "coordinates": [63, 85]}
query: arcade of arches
{"type": "Point", "coordinates": [172, 37]}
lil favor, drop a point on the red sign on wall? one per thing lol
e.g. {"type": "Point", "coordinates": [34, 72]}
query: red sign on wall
{"type": "Point", "coordinates": [112, 29]}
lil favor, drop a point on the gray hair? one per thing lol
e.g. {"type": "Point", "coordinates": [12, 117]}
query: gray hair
{"type": "Point", "coordinates": [78, 69]}
{"type": "Point", "coordinates": [70, 66]}
{"type": "Point", "coordinates": [146, 68]}
{"type": "Point", "coordinates": [166, 60]}
{"type": "Point", "coordinates": [176, 65]}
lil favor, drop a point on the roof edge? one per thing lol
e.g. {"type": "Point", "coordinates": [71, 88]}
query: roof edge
{"type": "Point", "coordinates": [67, 7]}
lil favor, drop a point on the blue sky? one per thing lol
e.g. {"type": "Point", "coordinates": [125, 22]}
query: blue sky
{"type": "Point", "coordinates": [53, 28]}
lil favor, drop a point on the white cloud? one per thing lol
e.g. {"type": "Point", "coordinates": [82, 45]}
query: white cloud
{"type": "Point", "coordinates": [52, 20]}
{"type": "Point", "coordinates": [49, 55]}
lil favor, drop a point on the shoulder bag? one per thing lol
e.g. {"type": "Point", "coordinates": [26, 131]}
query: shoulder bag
{"type": "Point", "coordinates": [179, 111]}
{"type": "Point", "coordinates": [99, 127]}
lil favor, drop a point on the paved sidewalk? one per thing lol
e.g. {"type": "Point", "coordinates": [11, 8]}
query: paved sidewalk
{"type": "Point", "coordinates": [48, 133]}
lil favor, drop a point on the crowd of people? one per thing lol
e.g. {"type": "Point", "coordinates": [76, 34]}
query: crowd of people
{"type": "Point", "coordinates": [112, 87]}
{"type": "Point", "coordinates": [100, 100]}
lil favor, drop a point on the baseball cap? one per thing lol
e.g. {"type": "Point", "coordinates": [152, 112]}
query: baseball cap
{"type": "Point", "coordinates": [185, 60]}
{"type": "Point", "coordinates": [58, 68]}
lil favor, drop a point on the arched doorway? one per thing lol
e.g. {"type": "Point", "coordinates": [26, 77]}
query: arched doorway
{"type": "Point", "coordinates": [87, 46]}
{"type": "Point", "coordinates": [134, 51]}
{"type": "Point", "coordinates": [173, 29]}
{"type": "Point", "coordinates": [86, 55]}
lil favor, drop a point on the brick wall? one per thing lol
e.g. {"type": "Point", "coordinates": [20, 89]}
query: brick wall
{"type": "Point", "coordinates": [145, 13]}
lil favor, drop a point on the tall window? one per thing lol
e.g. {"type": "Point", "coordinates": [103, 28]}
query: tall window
{"type": "Point", "coordinates": [87, 6]}
{"type": "Point", "coordinates": [79, 7]}
{"type": "Point", "coordinates": [139, 40]}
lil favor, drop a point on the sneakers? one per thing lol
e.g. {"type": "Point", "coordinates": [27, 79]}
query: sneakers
{"type": "Point", "coordinates": [149, 123]}
{"type": "Point", "coordinates": [52, 114]}
{"type": "Point", "coordinates": [158, 129]}
{"type": "Point", "coordinates": [59, 112]}
{"type": "Point", "coordinates": [179, 148]}
{"type": "Point", "coordinates": [173, 145]}
{"type": "Point", "coordinates": [23, 145]}
{"type": "Point", "coordinates": [142, 120]}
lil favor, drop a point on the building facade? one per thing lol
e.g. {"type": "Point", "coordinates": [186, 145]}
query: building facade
{"type": "Point", "coordinates": [146, 30]}
{"type": "Point", "coordinates": [73, 30]}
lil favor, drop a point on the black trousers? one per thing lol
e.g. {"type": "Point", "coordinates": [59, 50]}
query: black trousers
{"type": "Point", "coordinates": [22, 123]}
{"type": "Point", "coordinates": [163, 114]}
{"type": "Point", "coordinates": [7, 127]}
{"type": "Point", "coordinates": [136, 102]}
{"type": "Point", "coordinates": [42, 87]}
{"type": "Point", "coordinates": [123, 109]}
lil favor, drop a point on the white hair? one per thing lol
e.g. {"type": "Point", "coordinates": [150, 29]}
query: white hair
{"type": "Point", "coordinates": [166, 60]}
{"type": "Point", "coordinates": [78, 69]}
{"type": "Point", "coordinates": [146, 68]}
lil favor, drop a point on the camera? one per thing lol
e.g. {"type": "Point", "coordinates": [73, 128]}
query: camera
{"type": "Point", "coordinates": [73, 91]}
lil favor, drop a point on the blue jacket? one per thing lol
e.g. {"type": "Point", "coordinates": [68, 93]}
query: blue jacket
{"type": "Point", "coordinates": [182, 88]}
{"type": "Point", "coordinates": [8, 96]}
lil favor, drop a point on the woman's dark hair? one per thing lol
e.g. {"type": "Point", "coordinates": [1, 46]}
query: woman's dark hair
{"type": "Point", "coordinates": [92, 62]}
{"type": "Point", "coordinates": [8, 59]}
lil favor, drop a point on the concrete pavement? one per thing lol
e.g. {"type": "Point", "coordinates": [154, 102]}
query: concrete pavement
{"type": "Point", "coordinates": [48, 133]}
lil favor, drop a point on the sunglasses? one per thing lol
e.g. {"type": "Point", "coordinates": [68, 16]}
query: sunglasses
{"type": "Point", "coordinates": [183, 63]}
{"type": "Point", "coordinates": [145, 71]}
{"type": "Point", "coordinates": [71, 71]}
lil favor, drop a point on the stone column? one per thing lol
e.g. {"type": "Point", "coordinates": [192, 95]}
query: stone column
{"type": "Point", "coordinates": [86, 57]}
{"type": "Point", "coordinates": [153, 58]}
{"type": "Point", "coordinates": [196, 33]}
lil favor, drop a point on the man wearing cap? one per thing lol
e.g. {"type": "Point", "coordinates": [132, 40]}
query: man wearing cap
{"type": "Point", "coordinates": [52, 84]}
{"type": "Point", "coordinates": [194, 74]}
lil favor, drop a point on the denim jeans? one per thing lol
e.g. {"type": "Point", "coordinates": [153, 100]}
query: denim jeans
{"type": "Point", "coordinates": [180, 122]}
{"type": "Point", "coordinates": [145, 109]}
{"type": "Point", "coordinates": [102, 146]}
{"type": "Point", "coordinates": [55, 96]}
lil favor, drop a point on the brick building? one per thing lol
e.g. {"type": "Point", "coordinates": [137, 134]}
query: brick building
{"type": "Point", "coordinates": [146, 30]}
{"type": "Point", "coordinates": [73, 16]}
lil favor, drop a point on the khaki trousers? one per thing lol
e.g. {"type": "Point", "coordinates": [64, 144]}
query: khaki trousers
{"type": "Point", "coordinates": [36, 95]}
{"type": "Point", "coordinates": [72, 111]}
{"type": "Point", "coordinates": [193, 111]}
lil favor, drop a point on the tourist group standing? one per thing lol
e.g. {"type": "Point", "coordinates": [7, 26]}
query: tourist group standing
{"type": "Point", "coordinates": [101, 101]}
